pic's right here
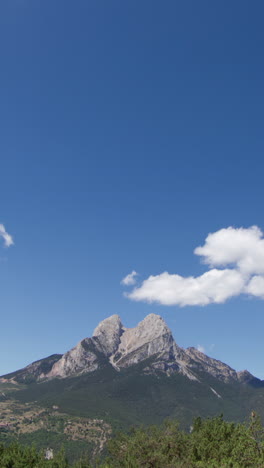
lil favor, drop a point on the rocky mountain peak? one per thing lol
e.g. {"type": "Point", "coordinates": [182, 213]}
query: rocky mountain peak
{"type": "Point", "coordinates": [149, 338]}
{"type": "Point", "coordinates": [107, 334]}
{"type": "Point", "coordinates": [155, 323]}
{"type": "Point", "coordinates": [150, 343]}
{"type": "Point", "coordinates": [111, 322]}
{"type": "Point", "coordinates": [150, 328]}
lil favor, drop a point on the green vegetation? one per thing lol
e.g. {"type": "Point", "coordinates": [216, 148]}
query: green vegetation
{"type": "Point", "coordinates": [128, 397]}
{"type": "Point", "coordinates": [81, 413]}
{"type": "Point", "coordinates": [212, 443]}
{"type": "Point", "coordinates": [29, 423]}
{"type": "Point", "coordinates": [18, 456]}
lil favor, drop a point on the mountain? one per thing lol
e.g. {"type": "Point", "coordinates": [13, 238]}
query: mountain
{"type": "Point", "coordinates": [33, 371]}
{"type": "Point", "coordinates": [117, 378]}
{"type": "Point", "coordinates": [122, 347]}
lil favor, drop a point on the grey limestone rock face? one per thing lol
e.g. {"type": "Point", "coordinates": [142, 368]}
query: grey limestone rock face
{"type": "Point", "coordinates": [124, 347]}
{"type": "Point", "coordinates": [149, 337]}
{"type": "Point", "coordinates": [108, 333]}
{"type": "Point", "coordinates": [212, 366]}
{"type": "Point", "coordinates": [79, 360]}
{"type": "Point", "coordinates": [85, 356]}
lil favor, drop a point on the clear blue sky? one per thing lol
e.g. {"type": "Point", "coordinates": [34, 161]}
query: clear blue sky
{"type": "Point", "coordinates": [129, 131]}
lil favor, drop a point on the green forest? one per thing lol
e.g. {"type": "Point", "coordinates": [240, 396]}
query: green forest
{"type": "Point", "coordinates": [212, 443]}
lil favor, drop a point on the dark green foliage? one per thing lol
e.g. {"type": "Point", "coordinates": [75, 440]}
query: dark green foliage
{"type": "Point", "coordinates": [213, 443]}
{"type": "Point", "coordinates": [43, 439]}
{"type": "Point", "coordinates": [18, 456]}
{"type": "Point", "coordinates": [164, 446]}
{"type": "Point", "coordinates": [222, 443]}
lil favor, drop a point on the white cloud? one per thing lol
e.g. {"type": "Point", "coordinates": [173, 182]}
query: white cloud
{"type": "Point", "coordinates": [241, 247]}
{"type": "Point", "coordinates": [214, 286]}
{"type": "Point", "coordinates": [201, 348]}
{"type": "Point", "coordinates": [236, 260]}
{"type": "Point", "coordinates": [256, 286]}
{"type": "Point", "coordinates": [8, 240]}
{"type": "Point", "coordinates": [129, 279]}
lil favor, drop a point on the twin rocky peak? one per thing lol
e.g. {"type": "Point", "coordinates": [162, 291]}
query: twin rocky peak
{"type": "Point", "coordinates": [150, 343]}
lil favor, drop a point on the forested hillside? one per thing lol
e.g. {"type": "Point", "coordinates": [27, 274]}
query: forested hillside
{"type": "Point", "coordinates": [212, 443]}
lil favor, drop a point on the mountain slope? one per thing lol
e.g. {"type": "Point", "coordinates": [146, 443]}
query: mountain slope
{"type": "Point", "coordinates": [123, 377]}
{"type": "Point", "coordinates": [131, 397]}
{"type": "Point", "coordinates": [33, 371]}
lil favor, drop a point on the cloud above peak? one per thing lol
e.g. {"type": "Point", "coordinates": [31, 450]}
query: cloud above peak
{"type": "Point", "coordinates": [236, 266]}
{"type": "Point", "coordinates": [214, 286]}
{"type": "Point", "coordinates": [241, 247]}
{"type": "Point", "coordinates": [129, 279]}
{"type": "Point", "coordinates": [8, 240]}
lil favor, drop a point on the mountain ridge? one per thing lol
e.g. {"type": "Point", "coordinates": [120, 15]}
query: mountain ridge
{"type": "Point", "coordinates": [123, 347]}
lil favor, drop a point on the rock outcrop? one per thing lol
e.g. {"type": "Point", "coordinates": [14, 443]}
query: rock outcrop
{"type": "Point", "coordinates": [107, 334]}
{"type": "Point", "coordinates": [212, 366]}
{"type": "Point", "coordinates": [81, 359]}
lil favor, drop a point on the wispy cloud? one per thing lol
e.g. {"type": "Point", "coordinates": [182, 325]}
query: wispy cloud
{"type": "Point", "coordinates": [8, 240]}
{"type": "Point", "coordinates": [130, 279]}
{"type": "Point", "coordinates": [236, 266]}
{"type": "Point", "coordinates": [201, 348]}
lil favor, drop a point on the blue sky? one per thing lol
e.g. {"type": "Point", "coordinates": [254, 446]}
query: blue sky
{"type": "Point", "coordinates": [129, 132]}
